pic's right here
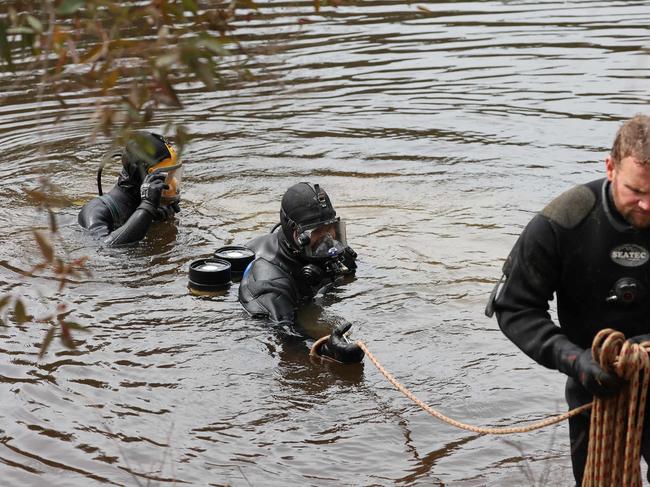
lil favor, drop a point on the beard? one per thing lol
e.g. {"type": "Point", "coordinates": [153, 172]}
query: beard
{"type": "Point", "coordinates": [637, 219]}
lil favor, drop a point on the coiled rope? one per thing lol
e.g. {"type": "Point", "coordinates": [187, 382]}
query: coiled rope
{"type": "Point", "coordinates": [617, 422]}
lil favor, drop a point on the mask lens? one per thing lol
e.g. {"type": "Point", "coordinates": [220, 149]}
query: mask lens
{"type": "Point", "coordinates": [324, 241]}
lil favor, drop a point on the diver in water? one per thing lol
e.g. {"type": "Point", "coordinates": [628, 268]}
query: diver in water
{"type": "Point", "coordinates": [307, 254]}
{"type": "Point", "coordinates": [147, 190]}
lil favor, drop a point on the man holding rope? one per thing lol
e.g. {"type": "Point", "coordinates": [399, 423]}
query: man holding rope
{"type": "Point", "coordinates": [591, 248]}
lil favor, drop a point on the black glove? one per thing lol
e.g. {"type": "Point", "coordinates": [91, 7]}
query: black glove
{"type": "Point", "coordinates": [583, 368]}
{"type": "Point", "coordinates": [152, 188]}
{"type": "Point", "coordinates": [350, 259]}
{"type": "Point", "coordinates": [166, 212]}
{"type": "Point", "coordinates": [338, 348]}
{"type": "Point", "coordinates": [640, 338]}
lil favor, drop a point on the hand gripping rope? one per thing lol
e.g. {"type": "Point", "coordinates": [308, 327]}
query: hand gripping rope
{"type": "Point", "coordinates": [616, 423]}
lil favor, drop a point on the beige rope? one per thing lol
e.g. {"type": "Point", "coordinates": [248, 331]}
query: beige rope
{"type": "Point", "coordinates": [316, 357]}
{"type": "Point", "coordinates": [458, 424]}
{"type": "Point", "coordinates": [613, 459]}
{"type": "Point", "coordinates": [617, 423]}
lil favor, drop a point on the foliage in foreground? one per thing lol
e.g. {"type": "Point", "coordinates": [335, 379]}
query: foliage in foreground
{"type": "Point", "coordinates": [130, 57]}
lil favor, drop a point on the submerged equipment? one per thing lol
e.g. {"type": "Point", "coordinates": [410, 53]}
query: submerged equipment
{"type": "Point", "coordinates": [209, 275]}
{"type": "Point", "coordinates": [238, 256]}
{"type": "Point", "coordinates": [217, 272]}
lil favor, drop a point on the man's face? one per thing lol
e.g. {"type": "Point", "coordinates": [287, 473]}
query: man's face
{"type": "Point", "coordinates": [631, 190]}
{"type": "Point", "coordinates": [320, 233]}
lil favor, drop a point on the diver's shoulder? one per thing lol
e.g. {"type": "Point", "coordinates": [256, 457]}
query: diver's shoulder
{"type": "Point", "coordinates": [570, 208]}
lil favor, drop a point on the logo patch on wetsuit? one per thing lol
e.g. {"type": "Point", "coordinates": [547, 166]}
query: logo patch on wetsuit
{"type": "Point", "coordinates": [629, 255]}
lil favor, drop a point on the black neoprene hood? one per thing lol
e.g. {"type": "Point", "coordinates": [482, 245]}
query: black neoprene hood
{"type": "Point", "coordinates": [304, 204]}
{"type": "Point", "coordinates": [145, 148]}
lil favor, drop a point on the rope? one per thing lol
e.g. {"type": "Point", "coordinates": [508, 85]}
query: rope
{"type": "Point", "coordinates": [315, 356]}
{"type": "Point", "coordinates": [465, 426]}
{"type": "Point", "coordinates": [616, 425]}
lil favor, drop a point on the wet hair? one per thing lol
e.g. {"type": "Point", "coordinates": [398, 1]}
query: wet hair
{"type": "Point", "coordinates": [633, 139]}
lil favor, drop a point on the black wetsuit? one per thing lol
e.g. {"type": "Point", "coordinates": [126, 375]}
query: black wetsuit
{"type": "Point", "coordinates": [115, 219]}
{"type": "Point", "coordinates": [121, 216]}
{"type": "Point", "coordinates": [578, 247]}
{"type": "Point", "coordinates": [273, 285]}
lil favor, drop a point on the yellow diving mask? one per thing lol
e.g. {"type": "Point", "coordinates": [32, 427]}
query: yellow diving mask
{"type": "Point", "coordinates": [174, 171]}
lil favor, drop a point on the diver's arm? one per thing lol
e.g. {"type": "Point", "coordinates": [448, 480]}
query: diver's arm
{"type": "Point", "coordinates": [533, 271]}
{"type": "Point", "coordinates": [135, 227]}
{"type": "Point", "coordinates": [266, 291]}
{"type": "Point", "coordinates": [96, 218]}
{"type": "Point", "coordinates": [532, 275]}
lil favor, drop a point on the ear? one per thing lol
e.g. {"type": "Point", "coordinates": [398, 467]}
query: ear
{"type": "Point", "coordinates": [610, 167]}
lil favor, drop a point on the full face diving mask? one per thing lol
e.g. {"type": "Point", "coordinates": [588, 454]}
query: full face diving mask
{"type": "Point", "coordinates": [172, 168]}
{"type": "Point", "coordinates": [322, 241]}
{"type": "Point", "coordinates": [174, 175]}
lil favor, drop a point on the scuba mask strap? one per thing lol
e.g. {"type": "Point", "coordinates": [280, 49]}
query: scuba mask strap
{"type": "Point", "coordinates": [322, 201]}
{"type": "Point", "coordinates": [294, 227]}
{"type": "Point", "coordinates": [107, 157]}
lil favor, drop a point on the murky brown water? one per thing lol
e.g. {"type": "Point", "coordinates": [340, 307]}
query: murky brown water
{"type": "Point", "coordinates": [437, 136]}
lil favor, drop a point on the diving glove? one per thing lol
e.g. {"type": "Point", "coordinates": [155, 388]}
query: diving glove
{"type": "Point", "coordinates": [640, 338]}
{"type": "Point", "coordinates": [350, 259]}
{"type": "Point", "coordinates": [339, 348]}
{"type": "Point", "coordinates": [152, 188]}
{"type": "Point", "coordinates": [167, 212]}
{"type": "Point", "coordinates": [583, 368]}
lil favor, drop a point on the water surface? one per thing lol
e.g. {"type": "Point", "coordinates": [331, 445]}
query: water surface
{"type": "Point", "coordinates": [437, 132]}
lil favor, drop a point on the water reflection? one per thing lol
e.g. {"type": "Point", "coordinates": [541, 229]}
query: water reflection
{"type": "Point", "coordinates": [438, 131]}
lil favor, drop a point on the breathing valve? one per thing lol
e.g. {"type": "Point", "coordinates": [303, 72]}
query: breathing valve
{"type": "Point", "coordinates": [626, 291]}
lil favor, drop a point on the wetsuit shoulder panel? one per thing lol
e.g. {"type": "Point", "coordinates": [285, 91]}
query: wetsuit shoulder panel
{"type": "Point", "coordinates": [570, 208]}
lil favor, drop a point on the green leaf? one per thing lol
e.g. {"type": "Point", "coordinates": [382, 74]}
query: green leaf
{"type": "Point", "coordinates": [4, 300]}
{"type": "Point", "coordinates": [20, 313]}
{"type": "Point", "coordinates": [5, 50]}
{"type": "Point", "coordinates": [214, 45]}
{"type": "Point", "coordinates": [69, 7]}
{"type": "Point", "coordinates": [49, 336]}
{"type": "Point", "coordinates": [93, 54]}
{"type": "Point", "coordinates": [20, 30]}
{"type": "Point", "coordinates": [45, 246]}
{"type": "Point", "coordinates": [249, 4]}
{"type": "Point", "coordinates": [74, 326]}
{"type": "Point", "coordinates": [35, 23]}
{"type": "Point", "coordinates": [166, 60]}
{"type": "Point", "coordinates": [190, 5]}
{"type": "Point", "coordinates": [205, 73]}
